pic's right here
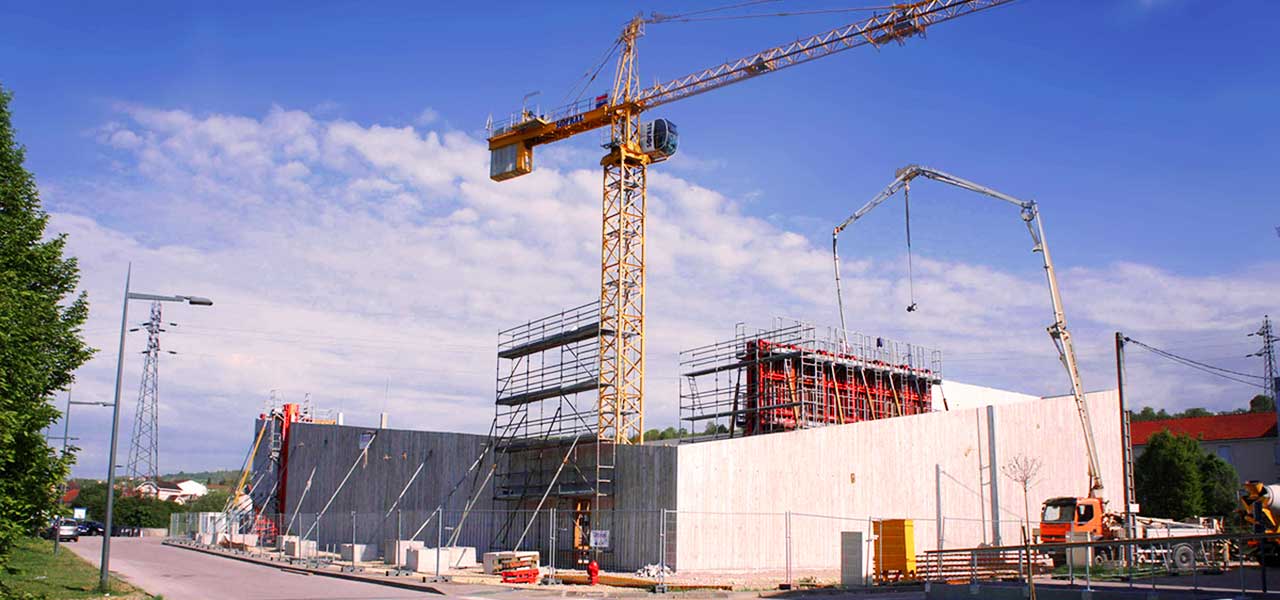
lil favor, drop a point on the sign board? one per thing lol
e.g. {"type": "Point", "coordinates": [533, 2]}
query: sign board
{"type": "Point", "coordinates": [599, 538]}
{"type": "Point", "coordinates": [79, 514]}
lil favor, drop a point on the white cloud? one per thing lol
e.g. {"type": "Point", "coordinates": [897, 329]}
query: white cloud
{"type": "Point", "coordinates": [427, 116]}
{"type": "Point", "coordinates": [349, 260]}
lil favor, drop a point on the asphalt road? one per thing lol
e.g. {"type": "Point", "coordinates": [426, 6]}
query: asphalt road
{"type": "Point", "coordinates": [180, 574]}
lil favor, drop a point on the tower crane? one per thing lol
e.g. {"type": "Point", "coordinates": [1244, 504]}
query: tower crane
{"type": "Point", "coordinates": [633, 146]}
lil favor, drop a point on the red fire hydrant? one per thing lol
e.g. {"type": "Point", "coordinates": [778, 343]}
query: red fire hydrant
{"type": "Point", "coordinates": [593, 572]}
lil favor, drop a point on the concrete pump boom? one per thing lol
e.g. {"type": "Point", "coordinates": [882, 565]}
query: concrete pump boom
{"type": "Point", "coordinates": [1035, 226]}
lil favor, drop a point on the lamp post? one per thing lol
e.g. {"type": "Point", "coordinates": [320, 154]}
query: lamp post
{"type": "Point", "coordinates": [66, 439]}
{"type": "Point", "coordinates": [104, 569]}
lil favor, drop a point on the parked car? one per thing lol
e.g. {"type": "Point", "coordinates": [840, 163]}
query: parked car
{"type": "Point", "coordinates": [67, 530]}
{"type": "Point", "coordinates": [90, 528]}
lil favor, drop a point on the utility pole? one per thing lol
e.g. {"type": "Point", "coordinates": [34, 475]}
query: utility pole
{"type": "Point", "coordinates": [1126, 446]}
{"type": "Point", "coordinates": [144, 447]}
{"type": "Point", "coordinates": [1268, 356]}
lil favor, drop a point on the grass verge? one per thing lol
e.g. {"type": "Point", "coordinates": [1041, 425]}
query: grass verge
{"type": "Point", "coordinates": [34, 573]}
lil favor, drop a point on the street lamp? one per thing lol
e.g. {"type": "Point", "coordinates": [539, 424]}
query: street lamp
{"type": "Point", "coordinates": [66, 438]}
{"type": "Point", "coordinates": [104, 571]}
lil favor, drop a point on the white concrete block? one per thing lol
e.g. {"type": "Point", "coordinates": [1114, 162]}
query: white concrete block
{"type": "Point", "coordinates": [492, 560]}
{"type": "Point", "coordinates": [362, 552]}
{"type": "Point", "coordinates": [243, 539]}
{"type": "Point", "coordinates": [300, 548]}
{"type": "Point", "coordinates": [394, 552]}
{"type": "Point", "coordinates": [423, 560]}
{"type": "Point", "coordinates": [461, 557]}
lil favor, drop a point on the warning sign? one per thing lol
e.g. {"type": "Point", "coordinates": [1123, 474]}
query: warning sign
{"type": "Point", "coordinates": [599, 538]}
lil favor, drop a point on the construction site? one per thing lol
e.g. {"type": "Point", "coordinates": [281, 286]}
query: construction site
{"type": "Point", "coordinates": [813, 451]}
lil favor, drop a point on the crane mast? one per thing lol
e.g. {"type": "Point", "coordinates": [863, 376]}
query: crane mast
{"type": "Point", "coordinates": [1035, 226]}
{"type": "Point", "coordinates": [622, 255]}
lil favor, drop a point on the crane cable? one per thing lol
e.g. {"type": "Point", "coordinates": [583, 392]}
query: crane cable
{"type": "Point", "coordinates": [589, 77]}
{"type": "Point", "coordinates": [911, 284]}
{"type": "Point", "coordinates": [687, 18]}
{"type": "Point", "coordinates": [660, 18]}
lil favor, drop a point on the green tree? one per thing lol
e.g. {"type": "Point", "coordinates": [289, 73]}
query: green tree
{"type": "Point", "coordinates": [93, 498]}
{"type": "Point", "coordinates": [1262, 403]}
{"type": "Point", "coordinates": [40, 343]}
{"type": "Point", "coordinates": [1149, 414]}
{"type": "Point", "coordinates": [669, 433]}
{"type": "Point", "coordinates": [1193, 412]}
{"type": "Point", "coordinates": [1166, 477]}
{"type": "Point", "coordinates": [1219, 484]}
{"type": "Point", "coordinates": [214, 501]}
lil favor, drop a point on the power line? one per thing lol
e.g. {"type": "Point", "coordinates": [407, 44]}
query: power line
{"type": "Point", "coordinates": [1207, 368]}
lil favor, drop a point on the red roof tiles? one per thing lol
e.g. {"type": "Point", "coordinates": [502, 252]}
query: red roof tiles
{"type": "Point", "coordinates": [1218, 427]}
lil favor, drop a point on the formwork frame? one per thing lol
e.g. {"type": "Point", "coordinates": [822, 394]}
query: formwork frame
{"type": "Point", "coordinates": [794, 376]}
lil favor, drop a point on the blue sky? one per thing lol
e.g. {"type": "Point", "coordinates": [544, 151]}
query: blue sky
{"type": "Point", "coordinates": [1145, 128]}
{"type": "Point", "coordinates": [1141, 115]}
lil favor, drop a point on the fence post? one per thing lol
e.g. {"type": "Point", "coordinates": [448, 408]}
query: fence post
{"type": "Point", "coordinates": [439, 538]}
{"type": "Point", "coordinates": [353, 541]}
{"type": "Point", "coordinates": [1240, 561]}
{"type": "Point", "coordinates": [662, 553]}
{"type": "Point", "coordinates": [551, 542]}
{"type": "Point", "coordinates": [1195, 573]}
{"type": "Point", "coordinates": [788, 535]}
{"type": "Point", "coordinates": [1088, 567]}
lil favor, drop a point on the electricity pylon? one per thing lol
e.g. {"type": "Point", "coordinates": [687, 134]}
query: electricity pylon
{"type": "Point", "coordinates": [144, 449]}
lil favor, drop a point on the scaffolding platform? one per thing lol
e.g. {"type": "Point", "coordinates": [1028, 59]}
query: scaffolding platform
{"type": "Point", "coordinates": [547, 409]}
{"type": "Point", "coordinates": [791, 376]}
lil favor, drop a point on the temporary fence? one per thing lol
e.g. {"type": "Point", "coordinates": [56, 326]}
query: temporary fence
{"type": "Point", "coordinates": [1221, 564]}
{"type": "Point", "coordinates": [776, 545]}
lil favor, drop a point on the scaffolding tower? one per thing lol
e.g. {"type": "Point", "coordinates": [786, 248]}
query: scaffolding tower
{"type": "Point", "coordinates": [790, 377]}
{"type": "Point", "coordinates": [549, 447]}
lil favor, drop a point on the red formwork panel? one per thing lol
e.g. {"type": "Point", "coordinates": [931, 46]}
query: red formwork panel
{"type": "Point", "coordinates": [789, 387]}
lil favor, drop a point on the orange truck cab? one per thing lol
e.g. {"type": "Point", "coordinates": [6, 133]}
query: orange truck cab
{"type": "Point", "coordinates": [1064, 515]}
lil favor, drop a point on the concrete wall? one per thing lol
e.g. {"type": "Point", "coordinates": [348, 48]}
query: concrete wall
{"type": "Point", "coordinates": [378, 479]}
{"type": "Point", "coordinates": [730, 497]}
{"type": "Point", "coordinates": [646, 472]}
{"type": "Point", "coordinates": [959, 396]}
{"type": "Point", "coordinates": [880, 469]}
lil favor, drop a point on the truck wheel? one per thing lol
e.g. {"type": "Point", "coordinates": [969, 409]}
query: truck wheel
{"type": "Point", "coordinates": [1184, 557]}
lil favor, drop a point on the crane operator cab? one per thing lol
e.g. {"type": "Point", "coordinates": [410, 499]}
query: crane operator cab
{"type": "Point", "coordinates": [658, 139]}
{"type": "Point", "coordinates": [1065, 515]}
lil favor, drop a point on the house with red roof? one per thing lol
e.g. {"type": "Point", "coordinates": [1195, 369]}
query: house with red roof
{"type": "Point", "coordinates": [1247, 441]}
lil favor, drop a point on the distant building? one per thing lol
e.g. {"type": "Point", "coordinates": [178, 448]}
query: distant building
{"type": "Point", "coordinates": [72, 492]}
{"type": "Point", "coordinates": [180, 492]}
{"type": "Point", "coordinates": [1246, 441]}
{"type": "Point", "coordinates": [192, 489]}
